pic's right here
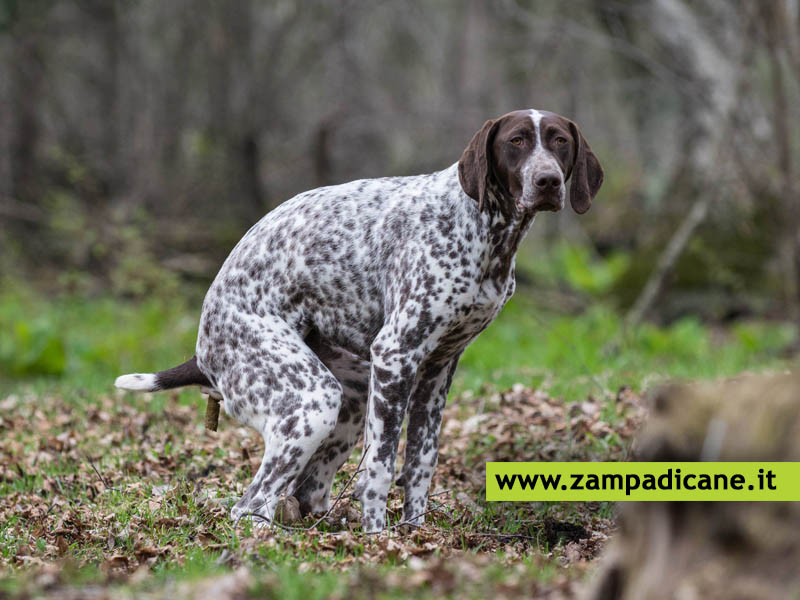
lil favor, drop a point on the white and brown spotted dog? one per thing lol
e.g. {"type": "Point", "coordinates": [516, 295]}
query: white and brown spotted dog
{"type": "Point", "coordinates": [357, 300]}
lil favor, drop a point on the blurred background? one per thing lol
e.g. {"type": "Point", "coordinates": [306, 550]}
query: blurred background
{"type": "Point", "coordinates": [140, 139]}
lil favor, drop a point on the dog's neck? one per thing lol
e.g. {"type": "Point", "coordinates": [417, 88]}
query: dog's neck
{"type": "Point", "coordinates": [506, 231]}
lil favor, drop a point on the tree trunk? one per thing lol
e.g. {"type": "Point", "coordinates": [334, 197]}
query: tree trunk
{"type": "Point", "coordinates": [713, 85]}
{"type": "Point", "coordinates": [777, 37]}
{"type": "Point", "coordinates": [27, 78]}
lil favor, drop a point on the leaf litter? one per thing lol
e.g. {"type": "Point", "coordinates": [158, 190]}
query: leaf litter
{"type": "Point", "coordinates": [129, 488]}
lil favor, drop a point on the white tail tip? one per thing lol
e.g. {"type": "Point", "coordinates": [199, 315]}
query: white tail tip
{"type": "Point", "coordinates": [137, 382]}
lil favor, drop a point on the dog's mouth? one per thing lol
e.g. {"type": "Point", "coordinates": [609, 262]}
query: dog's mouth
{"type": "Point", "coordinates": [548, 202]}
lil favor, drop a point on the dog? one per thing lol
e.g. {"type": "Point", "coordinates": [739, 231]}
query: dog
{"type": "Point", "coordinates": [345, 310]}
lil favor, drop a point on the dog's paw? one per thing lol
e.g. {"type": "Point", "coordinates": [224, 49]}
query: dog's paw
{"type": "Point", "coordinates": [257, 514]}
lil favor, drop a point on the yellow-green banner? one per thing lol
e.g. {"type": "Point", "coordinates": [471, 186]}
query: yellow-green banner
{"type": "Point", "coordinates": [643, 481]}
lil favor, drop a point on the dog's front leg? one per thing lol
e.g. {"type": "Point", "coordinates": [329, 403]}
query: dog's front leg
{"type": "Point", "coordinates": [422, 437]}
{"type": "Point", "coordinates": [392, 376]}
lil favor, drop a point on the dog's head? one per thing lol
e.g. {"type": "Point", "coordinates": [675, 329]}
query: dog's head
{"type": "Point", "coordinates": [525, 159]}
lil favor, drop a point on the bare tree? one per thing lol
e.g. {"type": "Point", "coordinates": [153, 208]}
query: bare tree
{"type": "Point", "coordinates": [714, 76]}
{"type": "Point", "coordinates": [782, 41]}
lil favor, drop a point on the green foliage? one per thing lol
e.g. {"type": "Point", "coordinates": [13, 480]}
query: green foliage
{"type": "Point", "coordinates": [589, 354]}
{"type": "Point", "coordinates": [576, 268]}
{"type": "Point", "coordinates": [84, 340]}
{"type": "Point", "coordinates": [30, 347]}
{"type": "Point", "coordinates": [593, 276]}
{"type": "Point", "coordinates": [89, 341]}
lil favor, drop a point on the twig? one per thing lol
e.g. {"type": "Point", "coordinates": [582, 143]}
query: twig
{"type": "Point", "coordinates": [501, 535]}
{"type": "Point", "coordinates": [408, 521]}
{"type": "Point", "coordinates": [440, 493]}
{"type": "Point", "coordinates": [99, 476]}
{"type": "Point", "coordinates": [390, 527]}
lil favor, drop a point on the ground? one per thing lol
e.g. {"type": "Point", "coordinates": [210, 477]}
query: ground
{"type": "Point", "coordinates": [119, 487]}
{"type": "Point", "coordinates": [108, 494]}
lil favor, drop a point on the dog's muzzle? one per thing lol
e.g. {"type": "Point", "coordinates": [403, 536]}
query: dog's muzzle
{"type": "Point", "coordinates": [549, 191]}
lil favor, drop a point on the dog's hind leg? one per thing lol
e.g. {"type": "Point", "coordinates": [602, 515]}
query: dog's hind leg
{"type": "Point", "coordinates": [274, 383]}
{"type": "Point", "coordinates": [313, 490]}
{"type": "Point", "coordinates": [313, 486]}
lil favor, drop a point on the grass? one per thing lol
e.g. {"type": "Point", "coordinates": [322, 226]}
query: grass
{"type": "Point", "coordinates": [580, 355]}
{"type": "Point", "coordinates": [130, 493]}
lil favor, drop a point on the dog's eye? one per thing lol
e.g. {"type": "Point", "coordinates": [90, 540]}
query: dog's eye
{"type": "Point", "coordinates": [517, 141]}
{"type": "Point", "coordinates": [561, 140]}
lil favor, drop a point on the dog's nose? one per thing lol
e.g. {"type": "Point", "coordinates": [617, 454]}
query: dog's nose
{"type": "Point", "coordinates": [547, 180]}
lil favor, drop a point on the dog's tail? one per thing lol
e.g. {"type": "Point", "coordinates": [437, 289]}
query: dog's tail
{"type": "Point", "coordinates": [185, 374]}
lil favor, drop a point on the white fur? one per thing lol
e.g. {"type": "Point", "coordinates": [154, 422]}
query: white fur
{"type": "Point", "coordinates": [536, 117]}
{"type": "Point", "coordinates": [137, 382]}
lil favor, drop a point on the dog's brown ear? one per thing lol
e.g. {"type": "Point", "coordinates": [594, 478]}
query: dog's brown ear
{"type": "Point", "coordinates": [473, 166]}
{"type": "Point", "coordinates": [587, 174]}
